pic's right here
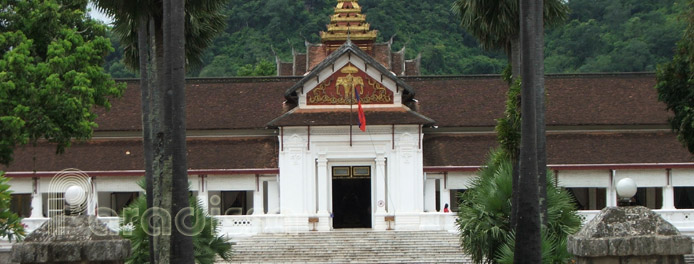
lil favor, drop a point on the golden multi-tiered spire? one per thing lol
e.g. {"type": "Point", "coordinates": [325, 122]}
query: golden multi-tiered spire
{"type": "Point", "coordinates": [348, 23]}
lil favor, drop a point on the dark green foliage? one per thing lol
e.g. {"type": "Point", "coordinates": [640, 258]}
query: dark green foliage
{"type": "Point", "coordinates": [550, 254]}
{"type": "Point", "coordinates": [599, 35]}
{"type": "Point", "coordinates": [262, 68]}
{"type": "Point", "coordinates": [676, 85]}
{"type": "Point", "coordinates": [11, 226]}
{"type": "Point", "coordinates": [207, 245]}
{"type": "Point", "coordinates": [50, 74]}
{"type": "Point", "coordinates": [485, 209]}
{"type": "Point", "coordinates": [508, 130]}
{"type": "Point", "coordinates": [114, 61]}
{"type": "Point", "coordinates": [614, 36]}
{"type": "Point", "coordinates": [203, 23]}
{"type": "Point", "coordinates": [496, 23]}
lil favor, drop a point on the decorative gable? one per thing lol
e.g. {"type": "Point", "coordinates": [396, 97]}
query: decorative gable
{"type": "Point", "coordinates": [340, 88]}
{"type": "Point", "coordinates": [326, 95]}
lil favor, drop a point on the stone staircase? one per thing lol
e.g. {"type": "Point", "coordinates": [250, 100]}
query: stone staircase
{"type": "Point", "coordinates": [351, 246]}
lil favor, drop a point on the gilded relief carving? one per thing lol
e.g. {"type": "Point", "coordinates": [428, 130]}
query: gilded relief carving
{"type": "Point", "coordinates": [339, 89]}
{"type": "Point", "coordinates": [349, 82]}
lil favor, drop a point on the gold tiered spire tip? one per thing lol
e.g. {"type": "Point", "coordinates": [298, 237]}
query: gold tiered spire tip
{"type": "Point", "coordinates": [348, 23]}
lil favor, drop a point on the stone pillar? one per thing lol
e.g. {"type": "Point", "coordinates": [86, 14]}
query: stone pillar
{"type": "Point", "coordinates": [380, 184]}
{"type": "Point", "coordinates": [92, 197]}
{"type": "Point", "coordinates": [323, 176]}
{"type": "Point", "coordinates": [611, 197]}
{"type": "Point", "coordinates": [258, 196]}
{"type": "Point", "coordinates": [631, 234]}
{"type": "Point", "coordinates": [202, 193]}
{"type": "Point", "coordinates": [668, 192]}
{"type": "Point", "coordinates": [72, 239]}
{"type": "Point", "coordinates": [430, 195]}
{"type": "Point", "coordinates": [273, 197]}
{"type": "Point", "coordinates": [36, 201]}
{"type": "Point", "coordinates": [322, 166]}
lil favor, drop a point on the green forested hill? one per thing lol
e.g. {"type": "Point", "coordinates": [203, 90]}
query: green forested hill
{"type": "Point", "coordinates": [600, 36]}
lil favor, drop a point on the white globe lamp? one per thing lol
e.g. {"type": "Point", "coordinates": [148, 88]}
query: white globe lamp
{"type": "Point", "coordinates": [74, 195]}
{"type": "Point", "coordinates": [626, 188]}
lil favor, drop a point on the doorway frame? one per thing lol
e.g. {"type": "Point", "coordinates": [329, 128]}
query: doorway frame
{"type": "Point", "coordinates": [372, 182]}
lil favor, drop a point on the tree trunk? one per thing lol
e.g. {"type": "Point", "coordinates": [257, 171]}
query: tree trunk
{"type": "Point", "coordinates": [515, 173]}
{"type": "Point", "coordinates": [528, 228]}
{"type": "Point", "coordinates": [159, 211]}
{"type": "Point", "coordinates": [515, 60]}
{"type": "Point", "coordinates": [514, 57]}
{"type": "Point", "coordinates": [175, 150]}
{"type": "Point", "coordinates": [147, 77]}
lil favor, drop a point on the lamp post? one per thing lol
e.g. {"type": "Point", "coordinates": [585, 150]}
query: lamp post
{"type": "Point", "coordinates": [626, 189]}
{"type": "Point", "coordinates": [75, 197]}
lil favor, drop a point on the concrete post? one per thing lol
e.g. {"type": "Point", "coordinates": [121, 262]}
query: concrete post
{"type": "Point", "coordinates": [631, 234]}
{"type": "Point", "coordinates": [36, 201]}
{"type": "Point", "coordinates": [202, 193]}
{"type": "Point", "coordinates": [322, 164]}
{"type": "Point", "coordinates": [258, 196]}
{"type": "Point", "coordinates": [380, 184]}
{"type": "Point", "coordinates": [668, 192]}
{"type": "Point", "coordinates": [72, 239]}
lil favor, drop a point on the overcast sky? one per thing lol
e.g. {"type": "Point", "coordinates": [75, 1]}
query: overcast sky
{"type": "Point", "coordinates": [98, 15]}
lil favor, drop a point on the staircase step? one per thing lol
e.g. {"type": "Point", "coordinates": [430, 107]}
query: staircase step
{"type": "Point", "coordinates": [351, 247]}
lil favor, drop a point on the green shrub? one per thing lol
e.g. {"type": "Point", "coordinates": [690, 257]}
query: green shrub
{"type": "Point", "coordinates": [207, 245]}
{"type": "Point", "coordinates": [11, 226]}
{"type": "Point", "coordinates": [484, 216]}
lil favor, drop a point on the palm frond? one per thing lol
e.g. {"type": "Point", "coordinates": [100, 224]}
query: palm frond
{"type": "Point", "coordinates": [496, 23]}
{"type": "Point", "coordinates": [484, 214]}
{"type": "Point", "coordinates": [207, 244]}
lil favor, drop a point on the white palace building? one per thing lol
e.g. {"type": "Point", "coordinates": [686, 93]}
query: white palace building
{"type": "Point", "coordinates": [286, 153]}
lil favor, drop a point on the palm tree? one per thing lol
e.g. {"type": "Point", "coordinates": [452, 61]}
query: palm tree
{"type": "Point", "coordinates": [485, 208]}
{"type": "Point", "coordinates": [495, 24]}
{"type": "Point", "coordinates": [156, 43]}
{"type": "Point", "coordinates": [532, 159]}
{"type": "Point", "coordinates": [207, 243]}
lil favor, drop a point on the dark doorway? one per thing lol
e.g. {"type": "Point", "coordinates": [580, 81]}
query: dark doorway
{"type": "Point", "coordinates": [351, 201]}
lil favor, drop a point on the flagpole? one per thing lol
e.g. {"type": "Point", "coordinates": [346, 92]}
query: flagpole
{"type": "Point", "coordinates": [350, 121]}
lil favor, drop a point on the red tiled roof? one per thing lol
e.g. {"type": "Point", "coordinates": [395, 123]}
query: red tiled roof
{"type": "Point", "coordinates": [584, 99]}
{"type": "Point", "coordinates": [126, 154]}
{"type": "Point", "coordinates": [562, 148]}
{"type": "Point", "coordinates": [617, 101]}
{"type": "Point", "coordinates": [467, 101]}
{"type": "Point", "coordinates": [231, 103]}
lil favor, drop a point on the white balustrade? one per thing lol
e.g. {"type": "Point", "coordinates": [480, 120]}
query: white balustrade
{"type": "Point", "coordinates": [248, 225]}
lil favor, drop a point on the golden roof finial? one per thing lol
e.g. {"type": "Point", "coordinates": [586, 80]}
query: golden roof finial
{"type": "Point", "coordinates": [348, 23]}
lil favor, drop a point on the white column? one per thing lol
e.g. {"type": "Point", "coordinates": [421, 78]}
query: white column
{"type": "Point", "coordinates": [92, 197]}
{"type": "Point", "coordinates": [430, 195]}
{"type": "Point", "coordinates": [611, 196]}
{"type": "Point", "coordinates": [380, 184]}
{"type": "Point", "coordinates": [273, 197]}
{"type": "Point", "coordinates": [668, 192]}
{"type": "Point", "coordinates": [202, 193]}
{"type": "Point", "coordinates": [258, 196]}
{"type": "Point", "coordinates": [36, 201]}
{"type": "Point", "coordinates": [322, 166]}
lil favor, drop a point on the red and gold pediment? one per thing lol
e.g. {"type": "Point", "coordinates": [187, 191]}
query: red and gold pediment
{"type": "Point", "coordinates": [339, 89]}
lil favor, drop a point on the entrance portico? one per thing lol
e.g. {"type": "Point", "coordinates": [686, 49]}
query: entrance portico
{"type": "Point", "coordinates": [334, 172]}
{"type": "Point", "coordinates": [382, 168]}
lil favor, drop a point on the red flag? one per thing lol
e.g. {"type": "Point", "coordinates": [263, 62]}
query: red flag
{"type": "Point", "coordinates": [362, 118]}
